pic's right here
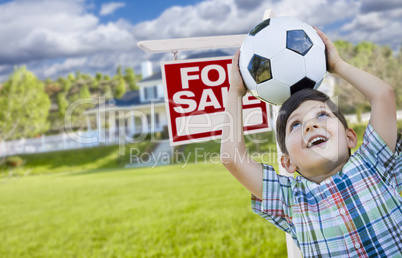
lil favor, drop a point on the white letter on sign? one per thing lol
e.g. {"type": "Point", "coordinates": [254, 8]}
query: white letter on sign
{"type": "Point", "coordinates": [248, 99]}
{"type": "Point", "coordinates": [185, 77]}
{"type": "Point", "coordinates": [192, 105]}
{"type": "Point", "coordinates": [204, 97]}
{"type": "Point", "coordinates": [204, 75]}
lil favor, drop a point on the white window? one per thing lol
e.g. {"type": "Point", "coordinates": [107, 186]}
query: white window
{"type": "Point", "coordinates": [150, 93]}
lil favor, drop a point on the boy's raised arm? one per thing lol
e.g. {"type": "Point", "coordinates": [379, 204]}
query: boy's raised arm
{"type": "Point", "coordinates": [378, 93]}
{"type": "Point", "coordinates": [233, 149]}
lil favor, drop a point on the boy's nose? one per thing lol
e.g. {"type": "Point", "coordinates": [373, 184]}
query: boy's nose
{"type": "Point", "coordinates": [309, 126]}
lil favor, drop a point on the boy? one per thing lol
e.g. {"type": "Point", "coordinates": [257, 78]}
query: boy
{"type": "Point", "coordinates": [342, 205]}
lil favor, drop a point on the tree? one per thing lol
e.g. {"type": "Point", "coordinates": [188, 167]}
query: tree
{"type": "Point", "coordinates": [77, 115]}
{"type": "Point", "coordinates": [71, 77]}
{"type": "Point", "coordinates": [95, 84]}
{"type": "Point", "coordinates": [345, 49]}
{"type": "Point", "coordinates": [84, 92]}
{"type": "Point", "coordinates": [62, 103]}
{"type": "Point", "coordinates": [78, 75]}
{"type": "Point", "coordinates": [98, 76]}
{"type": "Point", "coordinates": [375, 59]}
{"type": "Point", "coordinates": [118, 71]}
{"type": "Point", "coordinates": [131, 78]}
{"type": "Point", "coordinates": [120, 88]}
{"type": "Point", "coordinates": [65, 84]}
{"type": "Point", "coordinates": [108, 92]}
{"type": "Point", "coordinates": [398, 78]}
{"type": "Point", "coordinates": [24, 106]}
{"type": "Point", "coordinates": [48, 81]}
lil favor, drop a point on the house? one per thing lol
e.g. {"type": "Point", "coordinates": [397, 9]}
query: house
{"type": "Point", "coordinates": [138, 112]}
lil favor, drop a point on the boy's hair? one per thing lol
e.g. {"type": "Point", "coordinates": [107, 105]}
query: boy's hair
{"type": "Point", "coordinates": [293, 103]}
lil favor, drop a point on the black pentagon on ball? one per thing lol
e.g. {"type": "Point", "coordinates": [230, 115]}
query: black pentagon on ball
{"type": "Point", "coordinates": [260, 69]}
{"type": "Point", "coordinates": [302, 84]}
{"type": "Point", "coordinates": [298, 41]}
{"type": "Point", "coordinates": [259, 27]}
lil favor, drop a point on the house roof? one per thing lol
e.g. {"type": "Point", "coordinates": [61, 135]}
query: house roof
{"type": "Point", "coordinates": [129, 99]}
{"type": "Point", "coordinates": [132, 98]}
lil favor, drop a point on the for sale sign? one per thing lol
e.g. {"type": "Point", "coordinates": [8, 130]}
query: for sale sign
{"type": "Point", "coordinates": [196, 92]}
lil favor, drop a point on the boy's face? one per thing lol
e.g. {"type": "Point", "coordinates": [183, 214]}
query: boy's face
{"type": "Point", "coordinates": [317, 142]}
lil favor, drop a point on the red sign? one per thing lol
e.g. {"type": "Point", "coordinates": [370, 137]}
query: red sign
{"type": "Point", "coordinates": [196, 92]}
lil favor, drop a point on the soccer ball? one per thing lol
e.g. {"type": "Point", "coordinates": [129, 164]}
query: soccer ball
{"type": "Point", "coordinates": [281, 56]}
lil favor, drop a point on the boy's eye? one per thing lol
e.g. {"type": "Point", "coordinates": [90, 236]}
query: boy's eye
{"type": "Point", "coordinates": [323, 115]}
{"type": "Point", "coordinates": [294, 125]}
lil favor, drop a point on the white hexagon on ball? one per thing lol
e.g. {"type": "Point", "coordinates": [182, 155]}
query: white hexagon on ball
{"type": "Point", "coordinates": [275, 45]}
{"type": "Point", "coordinates": [287, 23]}
{"type": "Point", "coordinates": [288, 67]}
{"type": "Point", "coordinates": [246, 51]}
{"type": "Point", "coordinates": [315, 63]}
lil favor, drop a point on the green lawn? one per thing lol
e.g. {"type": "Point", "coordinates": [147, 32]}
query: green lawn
{"type": "Point", "coordinates": [196, 211]}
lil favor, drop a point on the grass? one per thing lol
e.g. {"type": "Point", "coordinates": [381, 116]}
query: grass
{"type": "Point", "coordinates": [199, 211]}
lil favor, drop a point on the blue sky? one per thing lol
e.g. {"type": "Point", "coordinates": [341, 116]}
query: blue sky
{"type": "Point", "coordinates": [56, 37]}
{"type": "Point", "coordinates": [138, 11]}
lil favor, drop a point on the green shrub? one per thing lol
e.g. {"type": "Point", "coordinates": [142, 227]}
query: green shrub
{"type": "Point", "coordinates": [14, 162]}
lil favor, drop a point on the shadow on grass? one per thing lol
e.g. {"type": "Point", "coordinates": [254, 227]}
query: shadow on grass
{"type": "Point", "coordinates": [95, 171]}
{"type": "Point", "coordinates": [80, 160]}
{"type": "Point", "coordinates": [95, 157]}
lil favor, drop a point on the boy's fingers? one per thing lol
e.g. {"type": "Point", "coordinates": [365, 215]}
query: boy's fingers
{"type": "Point", "coordinates": [318, 30]}
{"type": "Point", "coordinates": [235, 61]}
{"type": "Point", "coordinates": [321, 34]}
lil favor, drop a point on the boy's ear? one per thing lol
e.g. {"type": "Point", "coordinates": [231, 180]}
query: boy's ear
{"type": "Point", "coordinates": [287, 164]}
{"type": "Point", "coordinates": [351, 137]}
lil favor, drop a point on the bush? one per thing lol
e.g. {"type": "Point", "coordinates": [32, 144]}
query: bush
{"type": "Point", "coordinates": [14, 162]}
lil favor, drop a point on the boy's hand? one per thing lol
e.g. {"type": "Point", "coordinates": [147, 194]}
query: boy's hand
{"type": "Point", "coordinates": [380, 95]}
{"type": "Point", "coordinates": [333, 58]}
{"type": "Point", "coordinates": [236, 81]}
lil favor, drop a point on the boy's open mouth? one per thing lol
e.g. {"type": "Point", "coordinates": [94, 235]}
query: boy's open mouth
{"type": "Point", "coordinates": [316, 141]}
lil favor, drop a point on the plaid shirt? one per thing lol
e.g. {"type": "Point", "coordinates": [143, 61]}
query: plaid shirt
{"type": "Point", "coordinates": [355, 213]}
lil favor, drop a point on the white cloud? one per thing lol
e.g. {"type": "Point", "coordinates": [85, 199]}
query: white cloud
{"type": "Point", "coordinates": [69, 65]}
{"type": "Point", "coordinates": [34, 32]}
{"type": "Point", "coordinates": [346, 19]}
{"type": "Point", "coordinates": [223, 17]}
{"type": "Point", "coordinates": [50, 29]}
{"type": "Point", "coordinates": [110, 8]}
{"type": "Point", "coordinates": [206, 18]}
{"type": "Point", "coordinates": [379, 6]}
{"type": "Point", "coordinates": [382, 28]}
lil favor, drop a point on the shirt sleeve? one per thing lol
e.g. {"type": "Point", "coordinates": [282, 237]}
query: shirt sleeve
{"type": "Point", "coordinates": [277, 199]}
{"type": "Point", "coordinates": [388, 164]}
